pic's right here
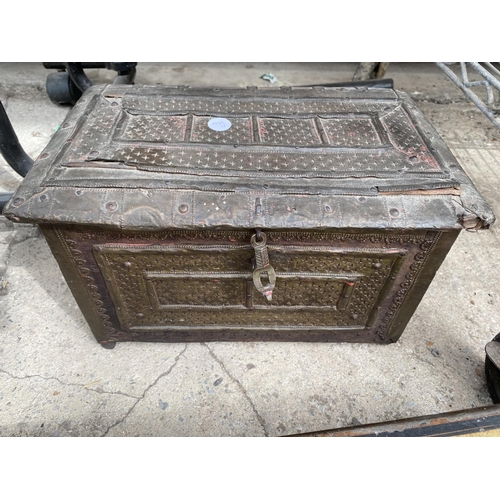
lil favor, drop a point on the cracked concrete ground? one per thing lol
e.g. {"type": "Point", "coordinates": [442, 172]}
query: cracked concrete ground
{"type": "Point", "coordinates": [55, 380]}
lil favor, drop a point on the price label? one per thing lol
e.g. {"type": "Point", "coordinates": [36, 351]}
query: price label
{"type": "Point", "coordinates": [219, 124]}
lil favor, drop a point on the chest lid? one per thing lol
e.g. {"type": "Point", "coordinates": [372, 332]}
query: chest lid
{"type": "Point", "coordinates": [167, 157]}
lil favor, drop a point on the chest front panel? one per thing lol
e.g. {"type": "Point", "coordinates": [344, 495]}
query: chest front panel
{"type": "Point", "coordinates": [193, 283]}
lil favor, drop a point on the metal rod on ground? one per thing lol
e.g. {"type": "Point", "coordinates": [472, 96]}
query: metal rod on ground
{"type": "Point", "coordinates": [492, 68]}
{"type": "Point", "coordinates": [485, 74]}
{"type": "Point", "coordinates": [451, 75]}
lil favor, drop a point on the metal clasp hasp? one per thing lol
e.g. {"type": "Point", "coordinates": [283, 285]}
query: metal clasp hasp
{"type": "Point", "coordinates": [262, 267]}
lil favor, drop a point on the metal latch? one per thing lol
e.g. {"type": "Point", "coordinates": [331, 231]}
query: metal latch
{"type": "Point", "coordinates": [263, 268]}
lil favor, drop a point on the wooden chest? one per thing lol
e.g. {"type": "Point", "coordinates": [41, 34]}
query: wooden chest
{"type": "Point", "coordinates": [291, 214]}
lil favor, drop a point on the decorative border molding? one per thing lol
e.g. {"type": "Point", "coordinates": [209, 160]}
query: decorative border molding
{"type": "Point", "coordinates": [426, 246]}
{"type": "Point", "coordinates": [88, 281]}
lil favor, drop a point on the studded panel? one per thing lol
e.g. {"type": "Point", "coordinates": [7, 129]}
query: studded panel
{"type": "Point", "coordinates": [167, 284]}
{"type": "Point", "coordinates": [266, 105]}
{"type": "Point", "coordinates": [94, 133]}
{"type": "Point", "coordinates": [283, 141]}
{"type": "Point", "coordinates": [154, 128]}
{"type": "Point", "coordinates": [277, 137]}
{"type": "Point", "coordinates": [405, 138]}
{"type": "Point", "coordinates": [170, 290]}
{"type": "Point", "coordinates": [349, 132]}
{"type": "Point", "coordinates": [240, 131]}
{"type": "Point", "coordinates": [272, 162]}
{"type": "Point", "coordinates": [288, 132]}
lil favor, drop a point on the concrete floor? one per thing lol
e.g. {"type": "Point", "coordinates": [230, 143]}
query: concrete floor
{"type": "Point", "coordinates": [55, 380]}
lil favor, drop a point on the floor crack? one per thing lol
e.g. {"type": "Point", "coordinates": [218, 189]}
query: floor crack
{"type": "Point", "coordinates": [72, 384]}
{"type": "Point", "coordinates": [150, 386]}
{"type": "Point", "coordinates": [238, 383]}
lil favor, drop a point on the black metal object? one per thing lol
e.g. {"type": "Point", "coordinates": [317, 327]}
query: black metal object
{"type": "Point", "coordinates": [473, 422]}
{"type": "Point", "coordinates": [67, 86]}
{"type": "Point", "coordinates": [85, 65]}
{"type": "Point", "coordinates": [125, 77]}
{"type": "Point", "coordinates": [119, 67]}
{"type": "Point", "coordinates": [10, 148]}
{"type": "Point", "coordinates": [76, 73]}
{"type": "Point", "coordinates": [492, 368]}
{"type": "Point", "coordinates": [61, 88]}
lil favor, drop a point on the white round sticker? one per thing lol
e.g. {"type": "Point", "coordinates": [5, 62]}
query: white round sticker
{"type": "Point", "coordinates": [219, 124]}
